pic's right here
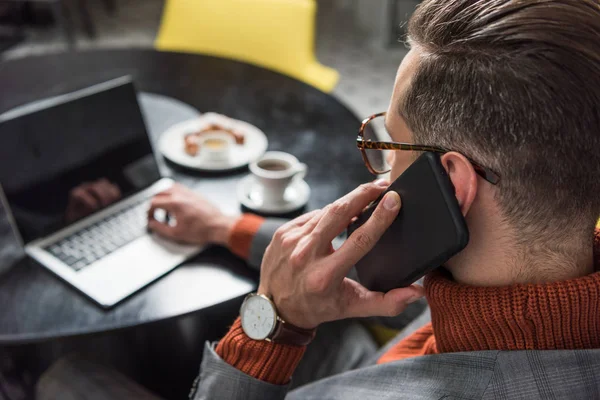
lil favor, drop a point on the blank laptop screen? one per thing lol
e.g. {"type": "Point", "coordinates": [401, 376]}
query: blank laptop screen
{"type": "Point", "coordinates": [62, 162]}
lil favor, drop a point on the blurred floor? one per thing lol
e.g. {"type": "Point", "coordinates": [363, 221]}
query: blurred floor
{"type": "Point", "coordinates": [367, 70]}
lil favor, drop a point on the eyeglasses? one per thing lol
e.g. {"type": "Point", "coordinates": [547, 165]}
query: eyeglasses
{"type": "Point", "coordinates": [375, 152]}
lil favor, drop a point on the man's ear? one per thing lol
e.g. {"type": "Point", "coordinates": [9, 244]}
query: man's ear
{"type": "Point", "coordinates": [463, 177]}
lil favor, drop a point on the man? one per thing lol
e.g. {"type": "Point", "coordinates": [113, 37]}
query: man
{"type": "Point", "coordinates": [512, 85]}
{"type": "Point", "coordinates": [515, 87]}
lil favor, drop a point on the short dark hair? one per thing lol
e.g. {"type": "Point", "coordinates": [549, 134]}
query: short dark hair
{"type": "Point", "coordinates": [515, 85]}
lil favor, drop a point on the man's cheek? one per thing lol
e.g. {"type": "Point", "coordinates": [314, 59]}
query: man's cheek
{"type": "Point", "coordinates": [398, 165]}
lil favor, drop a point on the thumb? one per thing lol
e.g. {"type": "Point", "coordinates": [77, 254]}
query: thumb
{"type": "Point", "coordinates": [160, 228]}
{"type": "Point", "coordinates": [378, 304]}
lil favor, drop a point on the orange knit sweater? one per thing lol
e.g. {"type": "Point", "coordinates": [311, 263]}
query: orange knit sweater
{"type": "Point", "coordinates": [558, 315]}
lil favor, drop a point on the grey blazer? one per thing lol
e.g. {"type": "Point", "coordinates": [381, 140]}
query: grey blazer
{"type": "Point", "coordinates": [527, 375]}
{"type": "Point", "coordinates": [557, 374]}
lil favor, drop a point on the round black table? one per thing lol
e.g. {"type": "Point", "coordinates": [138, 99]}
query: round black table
{"type": "Point", "coordinates": [297, 118]}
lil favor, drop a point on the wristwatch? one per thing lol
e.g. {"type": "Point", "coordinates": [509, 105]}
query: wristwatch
{"type": "Point", "coordinates": [261, 322]}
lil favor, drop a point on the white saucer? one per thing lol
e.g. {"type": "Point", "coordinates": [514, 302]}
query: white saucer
{"type": "Point", "coordinates": [171, 144]}
{"type": "Point", "coordinates": [296, 196]}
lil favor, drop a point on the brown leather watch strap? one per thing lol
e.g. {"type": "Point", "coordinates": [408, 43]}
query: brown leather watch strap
{"type": "Point", "coordinates": [286, 333]}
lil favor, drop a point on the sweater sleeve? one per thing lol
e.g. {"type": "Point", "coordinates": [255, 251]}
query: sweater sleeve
{"type": "Point", "coordinates": [270, 362]}
{"type": "Point", "coordinates": [242, 235]}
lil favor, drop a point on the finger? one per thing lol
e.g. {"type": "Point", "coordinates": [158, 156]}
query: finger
{"type": "Point", "coordinates": [164, 193]}
{"type": "Point", "coordinates": [115, 192]}
{"type": "Point", "coordinates": [299, 234]}
{"type": "Point", "coordinates": [314, 242]}
{"type": "Point", "coordinates": [177, 186]}
{"type": "Point", "coordinates": [301, 220]}
{"type": "Point", "coordinates": [84, 198]}
{"type": "Point", "coordinates": [365, 303]}
{"type": "Point", "coordinates": [169, 191]}
{"type": "Point", "coordinates": [310, 225]}
{"type": "Point", "coordinates": [101, 192]}
{"type": "Point", "coordinates": [111, 191]}
{"type": "Point", "coordinates": [163, 203]}
{"type": "Point", "coordinates": [308, 217]}
{"type": "Point", "coordinates": [161, 229]}
{"type": "Point", "coordinates": [364, 238]}
{"type": "Point", "coordinates": [340, 213]}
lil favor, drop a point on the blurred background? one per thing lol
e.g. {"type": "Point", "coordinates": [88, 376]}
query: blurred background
{"type": "Point", "coordinates": [358, 38]}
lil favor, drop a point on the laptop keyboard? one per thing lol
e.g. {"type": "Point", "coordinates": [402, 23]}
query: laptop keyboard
{"type": "Point", "coordinates": [96, 241]}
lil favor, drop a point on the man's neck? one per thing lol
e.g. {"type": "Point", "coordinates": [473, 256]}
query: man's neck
{"type": "Point", "coordinates": [494, 258]}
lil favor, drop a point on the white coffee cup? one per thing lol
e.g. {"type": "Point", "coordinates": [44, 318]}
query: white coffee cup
{"type": "Point", "coordinates": [274, 172]}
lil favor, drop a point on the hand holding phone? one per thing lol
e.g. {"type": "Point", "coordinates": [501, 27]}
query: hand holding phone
{"type": "Point", "coordinates": [427, 232]}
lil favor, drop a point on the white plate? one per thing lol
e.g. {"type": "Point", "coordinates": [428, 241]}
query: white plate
{"type": "Point", "coordinates": [171, 144]}
{"type": "Point", "coordinates": [296, 196]}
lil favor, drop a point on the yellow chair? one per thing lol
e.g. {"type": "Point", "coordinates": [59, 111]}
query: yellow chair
{"type": "Point", "coordinates": [381, 334]}
{"type": "Point", "coordinates": [275, 34]}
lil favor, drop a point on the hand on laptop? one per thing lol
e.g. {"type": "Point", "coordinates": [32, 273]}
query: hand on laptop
{"type": "Point", "coordinates": [89, 197]}
{"type": "Point", "coordinates": [192, 219]}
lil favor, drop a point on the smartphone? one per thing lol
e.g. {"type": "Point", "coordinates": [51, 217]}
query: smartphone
{"type": "Point", "coordinates": [427, 232]}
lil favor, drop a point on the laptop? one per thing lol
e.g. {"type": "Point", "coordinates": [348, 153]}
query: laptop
{"type": "Point", "coordinates": [77, 176]}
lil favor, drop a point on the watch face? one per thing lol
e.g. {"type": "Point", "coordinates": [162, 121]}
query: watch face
{"type": "Point", "coordinates": [258, 317]}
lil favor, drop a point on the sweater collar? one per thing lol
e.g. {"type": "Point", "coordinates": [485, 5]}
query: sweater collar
{"type": "Point", "coordinates": [557, 315]}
